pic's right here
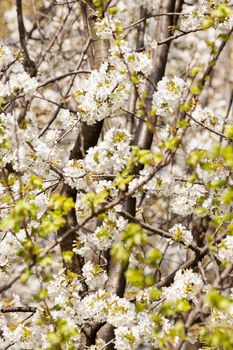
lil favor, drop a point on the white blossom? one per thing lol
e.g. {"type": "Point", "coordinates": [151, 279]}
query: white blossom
{"type": "Point", "coordinates": [192, 18]}
{"type": "Point", "coordinates": [24, 82]}
{"type": "Point", "coordinates": [187, 284]}
{"type": "Point", "coordinates": [225, 249]}
{"type": "Point", "coordinates": [168, 96]}
{"type": "Point", "coordinates": [93, 95]}
{"type": "Point", "coordinates": [74, 173]}
{"type": "Point", "coordinates": [206, 117]}
{"type": "Point", "coordinates": [127, 338]}
{"type": "Point", "coordinates": [6, 57]}
{"type": "Point", "coordinates": [212, 171]}
{"type": "Point", "coordinates": [185, 197]}
{"type": "Point", "coordinates": [111, 155]}
{"type": "Point", "coordinates": [180, 233]}
{"type": "Point", "coordinates": [94, 275]}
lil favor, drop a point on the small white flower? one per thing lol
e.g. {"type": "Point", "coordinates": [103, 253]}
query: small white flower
{"type": "Point", "coordinates": [127, 338]}
{"type": "Point", "coordinates": [187, 284]}
{"type": "Point", "coordinates": [180, 233]}
{"type": "Point", "coordinates": [111, 155]}
{"type": "Point", "coordinates": [95, 276]}
{"type": "Point", "coordinates": [6, 56]}
{"type": "Point", "coordinates": [185, 196]}
{"type": "Point", "coordinates": [168, 96]}
{"type": "Point", "coordinates": [207, 117]}
{"type": "Point", "coordinates": [225, 249]}
{"type": "Point", "coordinates": [22, 81]}
{"type": "Point", "coordinates": [192, 18]}
{"type": "Point", "coordinates": [74, 174]}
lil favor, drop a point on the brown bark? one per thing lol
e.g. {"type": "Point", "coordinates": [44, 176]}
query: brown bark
{"type": "Point", "coordinates": [88, 135]}
{"type": "Point", "coordinates": [116, 275]}
{"type": "Point", "coordinates": [143, 137]}
{"type": "Point", "coordinates": [29, 64]}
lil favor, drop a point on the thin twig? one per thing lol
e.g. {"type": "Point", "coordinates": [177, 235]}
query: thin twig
{"type": "Point", "coordinates": [18, 309]}
{"type": "Point", "coordinates": [59, 77]}
{"type": "Point", "coordinates": [54, 116]}
{"type": "Point", "coordinates": [28, 63]}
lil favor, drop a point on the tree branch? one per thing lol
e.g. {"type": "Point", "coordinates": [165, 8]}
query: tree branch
{"type": "Point", "coordinates": [29, 65]}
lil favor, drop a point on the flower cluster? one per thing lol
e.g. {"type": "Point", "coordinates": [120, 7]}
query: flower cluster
{"type": "Point", "coordinates": [121, 314]}
{"type": "Point", "coordinates": [206, 117]}
{"type": "Point", "coordinates": [212, 171]}
{"type": "Point", "coordinates": [107, 89]}
{"type": "Point", "coordinates": [95, 95]}
{"type": "Point", "coordinates": [106, 28]}
{"type": "Point", "coordinates": [180, 233]}
{"type": "Point", "coordinates": [22, 82]}
{"type": "Point", "coordinates": [186, 197]}
{"type": "Point", "coordinates": [225, 249]}
{"type": "Point", "coordinates": [19, 80]}
{"type": "Point", "coordinates": [168, 96]}
{"type": "Point", "coordinates": [6, 57]}
{"type": "Point", "coordinates": [105, 234]}
{"type": "Point", "coordinates": [10, 244]}
{"type": "Point", "coordinates": [159, 184]}
{"type": "Point", "coordinates": [128, 231]}
{"type": "Point", "coordinates": [94, 275]}
{"type": "Point", "coordinates": [109, 157]}
{"type": "Point", "coordinates": [192, 18]}
{"type": "Point", "coordinates": [74, 173]}
{"type": "Point", "coordinates": [187, 284]}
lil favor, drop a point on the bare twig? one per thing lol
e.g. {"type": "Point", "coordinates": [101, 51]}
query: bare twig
{"type": "Point", "coordinates": [18, 309]}
{"type": "Point", "coordinates": [30, 65]}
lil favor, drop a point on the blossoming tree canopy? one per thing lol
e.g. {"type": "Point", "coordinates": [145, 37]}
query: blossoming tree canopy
{"type": "Point", "coordinates": [116, 188]}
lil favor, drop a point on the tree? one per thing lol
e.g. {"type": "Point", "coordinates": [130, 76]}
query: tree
{"type": "Point", "coordinates": [116, 175]}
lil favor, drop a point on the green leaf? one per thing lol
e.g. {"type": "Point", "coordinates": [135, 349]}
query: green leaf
{"type": "Point", "coordinates": [135, 277]}
{"type": "Point", "coordinates": [228, 132]}
{"type": "Point", "coordinates": [134, 78]}
{"type": "Point", "coordinates": [134, 235]}
{"type": "Point", "coordinates": [219, 301]}
{"type": "Point", "coordinates": [54, 338]}
{"type": "Point", "coordinates": [25, 276]}
{"type": "Point", "coordinates": [120, 253]}
{"type": "Point", "coordinates": [227, 154]}
{"type": "Point", "coordinates": [183, 305]}
{"type": "Point", "coordinates": [172, 143]}
{"type": "Point", "coordinates": [67, 256]}
{"type": "Point", "coordinates": [196, 89]}
{"type": "Point", "coordinates": [153, 257]}
{"type": "Point", "coordinates": [228, 195]}
{"type": "Point", "coordinates": [194, 71]}
{"type": "Point", "coordinates": [183, 123]}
